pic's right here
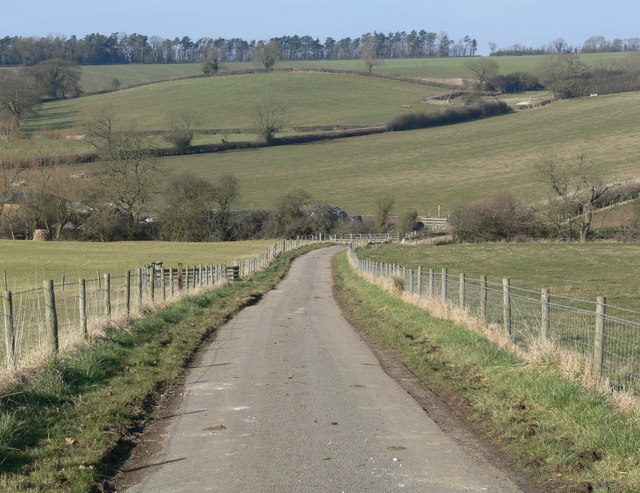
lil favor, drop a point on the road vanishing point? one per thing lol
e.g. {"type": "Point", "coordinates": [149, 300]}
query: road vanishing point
{"type": "Point", "coordinates": [289, 398]}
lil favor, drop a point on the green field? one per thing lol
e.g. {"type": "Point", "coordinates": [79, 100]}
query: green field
{"type": "Point", "coordinates": [577, 270]}
{"type": "Point", "coordinates": [421, 169]}
{"type": "Point", "coordinates": [229, 101]}
{"type": "Point", "coordinates": [100, 77]}
{"type": "Point", "coordinates": [441, 166]}
{"type": "Point", "coordinates": [28, 263]}
{"type": "Point", "coordinates": [612, 217]}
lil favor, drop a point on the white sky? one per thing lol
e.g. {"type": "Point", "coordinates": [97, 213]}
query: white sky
{"type": "Point", "coordinates": [504, 22]}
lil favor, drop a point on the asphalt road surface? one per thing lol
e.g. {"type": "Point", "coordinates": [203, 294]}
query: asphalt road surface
{"type": "Point", "coordinates": [288, 398]}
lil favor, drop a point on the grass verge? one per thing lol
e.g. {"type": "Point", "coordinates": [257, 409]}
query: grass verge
{"type": "Point", "coordinates": [58, 426]}
{"type": "Point", "coordinates": [564, 435]}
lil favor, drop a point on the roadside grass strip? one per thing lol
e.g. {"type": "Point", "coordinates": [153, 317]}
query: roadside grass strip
{"type": "Point", "coordinates": [63, 425]}
{"type": "Point", "coordinates": [562, 434]}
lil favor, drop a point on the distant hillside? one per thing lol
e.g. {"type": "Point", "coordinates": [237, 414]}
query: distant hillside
{"type": "Point", "coordinates": [228, 101]}
{"type": "Point", "coordinates": [440, 166]}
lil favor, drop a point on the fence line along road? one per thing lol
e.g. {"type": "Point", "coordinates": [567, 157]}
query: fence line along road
{"type": "Point", "coordinates": [608, 335]}
{"type": "Point", "coordinates": [40, 321]}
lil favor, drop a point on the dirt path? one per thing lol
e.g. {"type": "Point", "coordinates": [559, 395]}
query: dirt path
{"type": "Point", "coordinates": [290, 398]}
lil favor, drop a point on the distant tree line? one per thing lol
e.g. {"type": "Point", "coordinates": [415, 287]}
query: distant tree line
{"type": "Point", "coordinates": [593, 44]}
{"type": "Point", "coordinates": [121, 48]}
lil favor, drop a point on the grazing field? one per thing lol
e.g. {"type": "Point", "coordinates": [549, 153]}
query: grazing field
{"type": "Point", "coordinates": [612, 217]}
{"type": "Point", "coordinates": [28, 263]}
{"type": "Point", "coordinates": [578, 270]}
{"type": "Point", "coordinates": [229, 101]}
{"type": "Point", "coordinates": [100, 77]}
{"type": "Point", "coordinates": [439, 166]}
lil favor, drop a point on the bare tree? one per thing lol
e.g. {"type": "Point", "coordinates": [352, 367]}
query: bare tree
{"type": "Point", "coordinates": [186, 213]}
{"type": "Point", "coordinates": [576, 187]}
{"type": "Point", "coordinates": [269, 118]}
{"type": "Point", "coordinates": [560, 74]}
{"type": "Point", "coordinates": [129, 173]}
{"type": "Point", "coordinates": [268, 54]}
{"type": "Point", "coordinates": [182, 124]}
{"type": "Point", "coordinates": [212, 63]}
{"type": "Point", "coordinates": [370, 53]}
{"type": "Point", "coordinates": [10, 173]}
{"type": "Point", "coordinates": [19, 95]}
{"type": "Point", "coordinates": [225, 193]}
{"type": "Point", "coordinates": [485, 70]}
{"type": "Point", "coordinates": [58, 78]}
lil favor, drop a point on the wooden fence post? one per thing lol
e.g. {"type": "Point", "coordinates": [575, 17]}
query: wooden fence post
{"type": "Point", "coordinates": [506, 307]}
{"type": "Point", "coordinates": [51, 316]}
{"type": "Point", "coordinates": [432, 281]}
{"type": "Point", "coordinates": [444, 284]}
{"type": "Point", "coordinates": [107, 295]}
{"type": "Point", "coordinates": [82, 307]}
{"type": "Point", "coordinates": [163, 286]}
{"type": "Point", "coordinates": [545, 303]}
{"type": "Point", "coordinates": [139, 286]}
{"type": "Point", "coordinates": [9, 329]}
{"type": "Point", "coordinates": [419, 286]}
{"type": "Point", "coordinates": [5, 280]}
{"type": "Point", "coordinates": [180, 277]}
{"type": "Point", "coordinates": [484, 295]}
{"type": "Point", "coordinates": [601, 336]}
{"type": "Point", "coordinates": [171, 281]}
{"type": "Point", "coordinates": [127, 292]}
{"type": "Point", "coordinates": [151, 276]}
{"type": "Point", "coordinates": [462, 290]}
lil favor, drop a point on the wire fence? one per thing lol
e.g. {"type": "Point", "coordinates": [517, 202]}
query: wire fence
{"type": "Point", "coordinates": [608, 335]}
{"type": "Point", "coordinates": [54, 317]}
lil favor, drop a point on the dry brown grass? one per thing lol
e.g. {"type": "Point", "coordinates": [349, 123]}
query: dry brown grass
{"type": "Point", "coordinates": [542, 354]}
{"type": "Point", "coordinates": [97, 328]}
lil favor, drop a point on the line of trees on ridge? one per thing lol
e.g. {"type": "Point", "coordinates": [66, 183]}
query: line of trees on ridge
{"type": "Point", "coordinates": [122, 48]}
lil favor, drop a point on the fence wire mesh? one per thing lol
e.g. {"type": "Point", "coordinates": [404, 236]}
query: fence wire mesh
{"type": "Point", "coordinates": [82, 308]}
{"type": "Point", "coordinates": [607, 335]}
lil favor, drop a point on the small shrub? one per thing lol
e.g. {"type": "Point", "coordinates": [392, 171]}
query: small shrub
{"type": "Point", "coordinates": [499, 217]}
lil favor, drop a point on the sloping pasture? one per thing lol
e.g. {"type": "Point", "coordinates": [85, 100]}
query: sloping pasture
{"type": "Point", "coordinates": [439, 166]}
